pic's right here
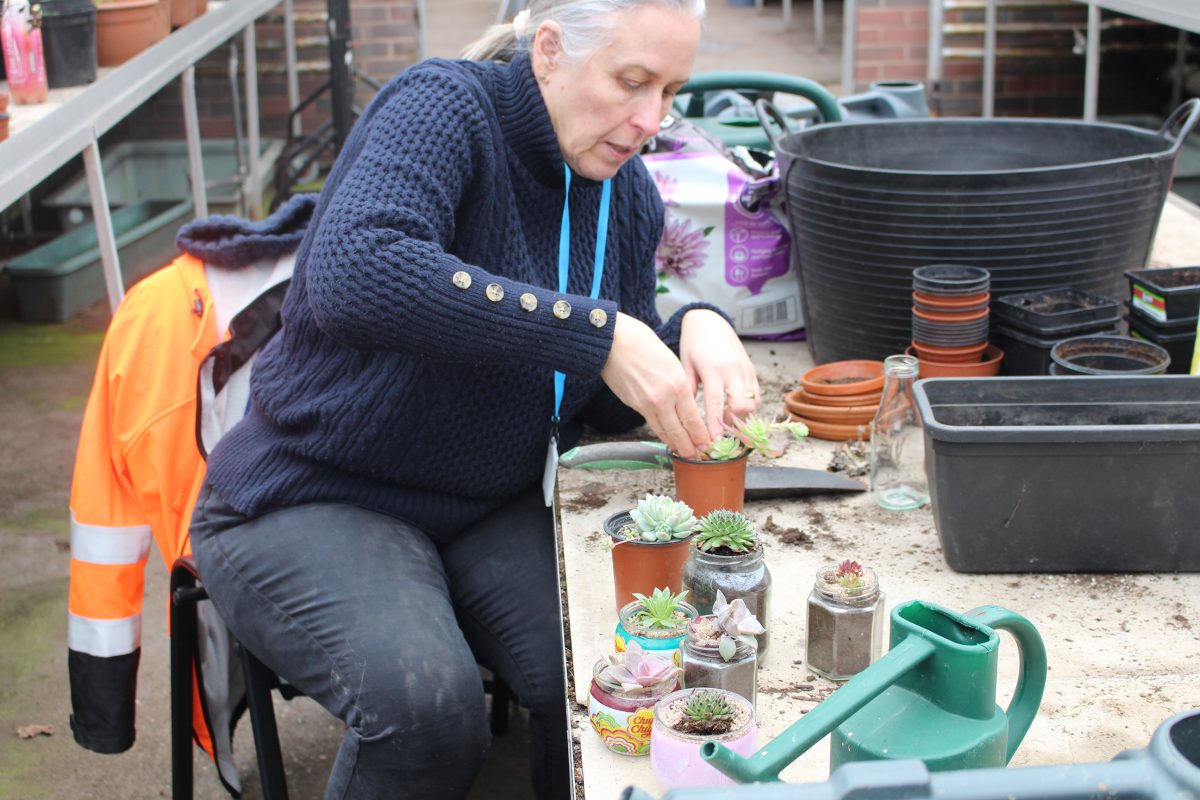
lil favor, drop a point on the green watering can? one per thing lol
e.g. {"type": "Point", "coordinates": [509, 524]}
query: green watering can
{"type": "Point", "coordinates": [931, 697]}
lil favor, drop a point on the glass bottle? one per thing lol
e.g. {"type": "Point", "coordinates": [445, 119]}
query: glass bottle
{"type": "Point", "coordinates": [703, 666]}
{"type": "Point", "coordinates": [845, 624]}
{"type": "Point", "coordinates": [898, 440]}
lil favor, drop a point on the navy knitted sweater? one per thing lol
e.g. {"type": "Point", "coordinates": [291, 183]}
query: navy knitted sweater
{"type": "Point", "coordinates": [391, 385]}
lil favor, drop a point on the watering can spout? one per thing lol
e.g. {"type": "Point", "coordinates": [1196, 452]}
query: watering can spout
{"type": "Point", "coordinates": [767, 763]}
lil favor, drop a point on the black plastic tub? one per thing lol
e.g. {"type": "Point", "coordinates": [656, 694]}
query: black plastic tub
{"type": "Point", "coordinates": [1165, 294]}
{"type": "Point", "coordinates": [1108, 355]}
{"type": "Point", "coordinates": [1094, 474]}
{"type": "Point", "coordinates": [1180, 343]}
{"type": "Point", "coordinates": [1038, 203]}
{"type": "Point", "coordinates": [69, 42]}
{"type": "Point", "coordinates": [1055, 310]}
{"type": "Point", "coordinates": [1027, 353]}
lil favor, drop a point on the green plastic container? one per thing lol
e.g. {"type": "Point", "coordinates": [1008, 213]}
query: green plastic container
{"type": "Point", "coordinates": [64, 276]}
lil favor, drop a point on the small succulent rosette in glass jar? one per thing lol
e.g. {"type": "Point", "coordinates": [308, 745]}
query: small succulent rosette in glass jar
{"type": "Point", "coordinates": [684, 721]}
{"type": "Point", "coordinates": [658, 623]}
{"type": "Point", "coordinates": [719, 651]}
{"type": "Point", "coordinates": [625, 687]}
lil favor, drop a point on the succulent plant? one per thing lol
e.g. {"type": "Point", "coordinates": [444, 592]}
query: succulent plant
{"type": "Point", "coordinates": [707, 713]}
{"type": "Point", "coordinates": [725, 448]}
{"type": "Point", "coordinates": [635, 670]}
{"type": "Point", "coordinates": [725, 528]}
{"type": "Point", "coordinates": [708, 707]}
{"type": "Point", "coordinates": [756, 434]}
{"type": "Point", "coordinates": [736, 624]}
{"type": "Point", "coordinates": [660, 518]}
{"type": "Point", "coordinates": [849, 575]}
{"type": "Point", "coordinates": [658, 610]}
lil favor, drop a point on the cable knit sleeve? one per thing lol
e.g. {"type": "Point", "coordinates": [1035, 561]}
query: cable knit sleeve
{"type": "Point", "coordinates": [380, 271]}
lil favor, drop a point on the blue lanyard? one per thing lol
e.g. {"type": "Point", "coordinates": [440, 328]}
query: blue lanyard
{"type": "Point", "coordinates": [564, 259]}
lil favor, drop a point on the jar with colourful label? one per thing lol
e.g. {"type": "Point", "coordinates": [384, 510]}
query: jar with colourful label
{"type": "Point", "coordinates": [623, 716]}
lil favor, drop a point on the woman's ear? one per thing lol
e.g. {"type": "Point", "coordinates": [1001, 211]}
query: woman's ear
{"type": "Point", "coordinates": [546, 49]}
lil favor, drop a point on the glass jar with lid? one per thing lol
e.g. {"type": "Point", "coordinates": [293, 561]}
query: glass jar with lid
{"type": "Point", "coordinates": [845, 621]}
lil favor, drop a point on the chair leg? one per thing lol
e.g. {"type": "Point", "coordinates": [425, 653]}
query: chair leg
{"type": "Point", "coordinates": [262, 722]}
{"type": "Point", "coordinates": [182, 656]}
{"type": "Point", "coordinates": [501, 698]}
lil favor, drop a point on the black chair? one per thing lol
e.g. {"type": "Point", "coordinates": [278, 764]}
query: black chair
{"type": "Point", "coordinates": [186, 592]}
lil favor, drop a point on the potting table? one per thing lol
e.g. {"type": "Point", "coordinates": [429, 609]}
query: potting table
{"type": "Point", "coordinates": [43, 137]}
{"type": "Point", "coordinates": [1123, 650]}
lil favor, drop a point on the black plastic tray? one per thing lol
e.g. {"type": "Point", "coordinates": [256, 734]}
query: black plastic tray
{"type": "Point", "coordinates": [1053, 310]}
{"type": "Point", "coordinates": [1029, 354]}
{"type": "Point", "coordinates": [1145, 321]}
{"type": "Point", "coordinates": [1091, 474]}
{"type": "Point", "coordinates": [1166, 294]}
{"type": "Point", "coordinates": [1180, 345]}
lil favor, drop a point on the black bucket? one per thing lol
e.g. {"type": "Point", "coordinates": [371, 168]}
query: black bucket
{"type": "Point", "coordinates": [1039, 203]}
{"type": "Point", "coordinates": [69, 42]}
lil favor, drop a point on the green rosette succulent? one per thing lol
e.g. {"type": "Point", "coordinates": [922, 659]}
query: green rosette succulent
{"type": "Point", "coordinates": [725, 528]}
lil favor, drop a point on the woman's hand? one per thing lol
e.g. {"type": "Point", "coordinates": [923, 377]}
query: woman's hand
{"type": "Point", "coordinates": [647, 377]}
{"type": "Point", "coordinates": [713, 357]}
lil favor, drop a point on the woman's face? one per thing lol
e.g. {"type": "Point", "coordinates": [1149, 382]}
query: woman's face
{"type": "Point", "coordinates": [607, 106]}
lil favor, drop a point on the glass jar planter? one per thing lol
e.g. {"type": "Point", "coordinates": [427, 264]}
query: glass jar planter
{"type": "Point", "coordinates": [623, 717]}
{"type": "Point", "coordinates": [658, 640]}
{"type": "Point", "coordinates": [735, 575]}
{"type": "Point", "coordinates": [845, 625]}
{"type": "Point", "coordinates": [675, 755]}
{"type": "Point", "coordinates": [703, 666]}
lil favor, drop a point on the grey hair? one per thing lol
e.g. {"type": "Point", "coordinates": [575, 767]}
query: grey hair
{"type": "Point", "coordinates": [586, 27]}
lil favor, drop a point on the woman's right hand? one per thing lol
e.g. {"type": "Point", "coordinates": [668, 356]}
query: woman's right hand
{"type": "Point", "coordinates": [647, 377]}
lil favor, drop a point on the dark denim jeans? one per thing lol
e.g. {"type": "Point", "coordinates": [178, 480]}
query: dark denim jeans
{"type": "Point", "coordinates": [384, 628]}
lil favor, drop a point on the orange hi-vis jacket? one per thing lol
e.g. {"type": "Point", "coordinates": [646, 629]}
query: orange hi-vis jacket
{"type": "Point", "coordinates": [161, 392]}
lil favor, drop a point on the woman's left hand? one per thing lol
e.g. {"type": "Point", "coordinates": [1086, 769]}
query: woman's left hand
{"type": "Point", "coordinates": [713, 358]}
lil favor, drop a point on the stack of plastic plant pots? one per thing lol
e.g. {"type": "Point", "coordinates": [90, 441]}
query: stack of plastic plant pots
{"type": "Point", "coordinates": [1163, 308]}
{"type": "Point", "coordinates": [950, 322]}
{"type": "Point", "coordinates": [1028, 325]}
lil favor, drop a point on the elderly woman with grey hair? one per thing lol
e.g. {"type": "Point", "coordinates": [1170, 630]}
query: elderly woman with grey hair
{"type": "Point", "coordinates": [476, 285]}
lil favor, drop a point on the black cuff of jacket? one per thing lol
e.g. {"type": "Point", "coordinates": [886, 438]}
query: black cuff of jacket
{"type": "Point", "coordinates": [102, 699]}
{"type": "Point", "coordinates": [671, 329]}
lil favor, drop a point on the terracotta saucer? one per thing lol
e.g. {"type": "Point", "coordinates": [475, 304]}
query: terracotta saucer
{"type": "Point", "coordinates": [834, 432]}
{"type": "Point", "coordinates": [986, 367]}
{"type": "Point", "coordinates": [870, 398]}
{"type": "Point", "coordinates": [844, 415]}
{"type": "Point", "coordinates": [950, 316]}
{"type": "Point", "coordinates": [840, 378]}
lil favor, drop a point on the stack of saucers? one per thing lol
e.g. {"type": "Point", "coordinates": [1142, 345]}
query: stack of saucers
{"type": "Point", "coordinates": [837, 401]}
{"type": "Point", "coordinates": [950, 321]}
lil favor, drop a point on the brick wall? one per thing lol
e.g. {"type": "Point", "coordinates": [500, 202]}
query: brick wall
{"type": "Point", "coordinates": [893, 40]}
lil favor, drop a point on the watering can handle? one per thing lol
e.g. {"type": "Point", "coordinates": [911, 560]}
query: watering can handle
{"type": "Point", "coordinates": [1185, 118]}
{"type": "Point", "coordinates": [1031, 680]}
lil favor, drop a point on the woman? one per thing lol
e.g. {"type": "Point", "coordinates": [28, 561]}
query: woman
{"type": "Point", "coordinates": [375, 526]}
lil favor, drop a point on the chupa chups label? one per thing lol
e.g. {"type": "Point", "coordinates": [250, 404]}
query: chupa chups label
{"type": "Point", "coordinates": [1149, 303]}
{"type": "Point", "coordinates": [622, 731]}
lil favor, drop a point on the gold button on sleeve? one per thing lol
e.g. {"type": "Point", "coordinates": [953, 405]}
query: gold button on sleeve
{"type": "Point", "coordinates": [461, 279]}
{"type": "Point", "coordinates": [494, 292]}
{"type": "Point", "coordinates": [562, 309]}
{"type": "Point", "coordinates": [529, 301]}
{"type": "Point", "coordinates": [598, 317]}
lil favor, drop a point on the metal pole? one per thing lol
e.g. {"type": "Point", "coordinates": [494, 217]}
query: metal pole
{"type": "Point", "coordinates": [289, 47]}
{"type": "Point", "coordinates": [341, 77]}
{"type": "Point", "coordinates": [849, 43]}
{"type": "Point", "coordinates": [989, 60]}
{"type": "Point", "coordinates": [254, 184]}
{"type": "Point", "coordinates": [933, 70]}
{"type": "Point", "coordinates": [191, 126]}
{"type": "Point", "coordinates": [102, 218]}
{"type": "Point", "coordinates": [818, 21]}
{"type": "Point", "coordinates": [422, 33]}
{"type": "Point", "coordinates": [1091, 74]}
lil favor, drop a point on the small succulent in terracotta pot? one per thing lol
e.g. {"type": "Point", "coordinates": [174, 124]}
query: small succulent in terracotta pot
{"type": "Point", "coordinates": [649, 546]}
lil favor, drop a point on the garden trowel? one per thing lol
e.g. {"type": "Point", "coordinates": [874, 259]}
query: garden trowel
{"type": "Point", "coordinates": [761, 482]}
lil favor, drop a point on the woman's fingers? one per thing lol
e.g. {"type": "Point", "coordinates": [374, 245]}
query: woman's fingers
{"type": "Point", "coordinates": [710, 349]}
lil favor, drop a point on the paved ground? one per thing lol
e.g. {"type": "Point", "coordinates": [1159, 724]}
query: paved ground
{"type": "Point", "coordinates": [45, 373]}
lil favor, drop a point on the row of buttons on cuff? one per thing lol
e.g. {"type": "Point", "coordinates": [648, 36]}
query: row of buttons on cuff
{"type": "Point", "coordinates": [560, 309]}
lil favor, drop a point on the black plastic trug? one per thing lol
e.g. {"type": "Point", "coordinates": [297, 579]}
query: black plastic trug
{"type": "Point", "coordinates": [1091, 474]}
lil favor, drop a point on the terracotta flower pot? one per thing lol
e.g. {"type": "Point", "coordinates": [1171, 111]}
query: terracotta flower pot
{"type": "Point", "coordinates": [844, 415]}
{"type": "Point", "coordinates": [3, 127]}
{"type": "Point", "coordinates": [642, 567]}
{"type": "Point", "coordinates": [840, 378]}
{"type": "Point", "coordinates": [952, 317]}
{"type": "Point", "coordinates": [709, 485]}
{"type": "Point", "coordinates": [125, 28]}
{"type": "Point", "coordinates": [835, 432]}
{"type": "Point", "coordinates": [949, 355]}
{"type": "Point", "coordinates": [986, 367]}
{"type": "Point", "coordinates": [843, 401]}
{"type": "Point", "coordinates": [957, 305]}
{"type": "Point", "coordinates": [183, 12]}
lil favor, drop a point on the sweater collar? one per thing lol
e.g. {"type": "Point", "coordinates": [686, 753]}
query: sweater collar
{"type": "Point", "coordinates": [231, 242]}
{"type": "Point", "coordinates": [525, 121]}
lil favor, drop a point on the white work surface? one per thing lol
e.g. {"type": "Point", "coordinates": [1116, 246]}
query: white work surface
{"type": "Point", "coordinates": [1123, 650]}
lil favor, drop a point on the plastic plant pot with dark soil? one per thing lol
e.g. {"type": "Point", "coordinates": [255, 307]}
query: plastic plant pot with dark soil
{"type": "Point", "coordinates": [1028, 353]}
{"type": "Point", "coordinates": [1108, 355]}
{"type": "Point", "coordinates": [1180, 343]}
{"type": "Point", "coordinates": [1165, 294]}
{"type": "Point", "coordinates": [1052, 310]}
{"type": "Point", "coordinates": [69, 42]}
